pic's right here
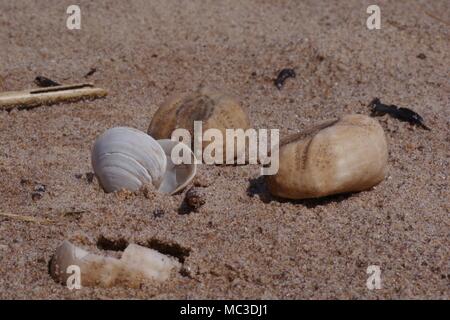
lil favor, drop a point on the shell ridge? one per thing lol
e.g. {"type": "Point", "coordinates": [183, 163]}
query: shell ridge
{"type": "Point", "coordinates": [125, 155]}
{"type": "Point", "coordinates": [137, 163]}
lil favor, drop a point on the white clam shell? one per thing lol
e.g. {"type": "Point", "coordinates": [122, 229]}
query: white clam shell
{"type": "Point", "coordinates": [126, 158]}
{"type": "Point", "coordinates": [136, 265]}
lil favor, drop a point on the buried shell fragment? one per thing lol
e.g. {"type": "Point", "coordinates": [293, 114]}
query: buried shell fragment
{"type": "Point", "coordinates": [136, 265]}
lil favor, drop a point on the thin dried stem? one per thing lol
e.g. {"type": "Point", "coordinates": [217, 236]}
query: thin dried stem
{"type": "Point", "coordinates": [25, 218]}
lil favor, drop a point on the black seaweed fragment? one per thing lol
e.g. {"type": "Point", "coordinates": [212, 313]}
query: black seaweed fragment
{"type": "Point", "coordinates": [44, 82]}
{"type": "Point", "coordinates": [402, 114]}
{"type": "Point", "coordinates": [282, 76]}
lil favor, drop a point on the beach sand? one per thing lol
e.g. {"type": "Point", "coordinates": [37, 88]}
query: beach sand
{"type": "Point", "coordinates": [242, 243]}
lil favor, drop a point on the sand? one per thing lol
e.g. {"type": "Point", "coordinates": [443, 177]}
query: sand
{"type": "Point", "coordinates": [242, 243]}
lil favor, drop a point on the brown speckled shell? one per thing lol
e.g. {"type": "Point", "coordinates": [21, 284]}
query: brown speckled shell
{"type": "Point", "coordinates": [215, 110]}
{"type": "Point", "coordinates": [345, 155]}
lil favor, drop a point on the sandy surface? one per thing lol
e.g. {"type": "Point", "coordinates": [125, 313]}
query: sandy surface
{"type": "Point", "coordinates": [242, 243]}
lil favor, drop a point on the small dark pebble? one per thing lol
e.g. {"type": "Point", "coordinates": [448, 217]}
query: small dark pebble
{"type": "Point", "coordinates": [282, 76]}
{"type": "Point", "coordinates": [45, 82]}
{"type": "Point", "coordinates": [421, 56]}
{"type": "Point", "coordinates": [90, 177]}
{"type": "Point", "coordinates": [195, 198]}
{"type": "Point", "coordinates": [91, 72]}
{"type": "Point", "coordinates": [78, 176]}
{"type": "Point", "coordinates": [157, 213]}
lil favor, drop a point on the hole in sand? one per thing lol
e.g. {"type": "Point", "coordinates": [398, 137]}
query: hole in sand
{"type": "Point", "coordinates": [168, 248]}
{"type": "Point", "coordinates": [112, 245]}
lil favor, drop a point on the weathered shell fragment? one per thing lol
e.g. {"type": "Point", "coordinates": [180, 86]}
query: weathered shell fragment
{"type": "Point", "coordinates": [137, 265]}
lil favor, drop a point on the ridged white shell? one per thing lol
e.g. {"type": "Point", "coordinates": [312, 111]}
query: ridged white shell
{"type": "Point", "coordinates": [126, 158]}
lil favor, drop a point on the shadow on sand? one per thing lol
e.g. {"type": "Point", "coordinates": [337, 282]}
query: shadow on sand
{"type": "Point", "coordinates": [258, 187]}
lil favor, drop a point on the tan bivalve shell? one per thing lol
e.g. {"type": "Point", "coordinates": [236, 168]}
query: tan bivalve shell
{"type": "Point", "coordinates": [345, 155]}
{"type": "Point", "coordinates": [215, 109]}
{"type": "Point", "coordinates": [126, 158]}
{"type": "Point", "coordinates": [137, 264]}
